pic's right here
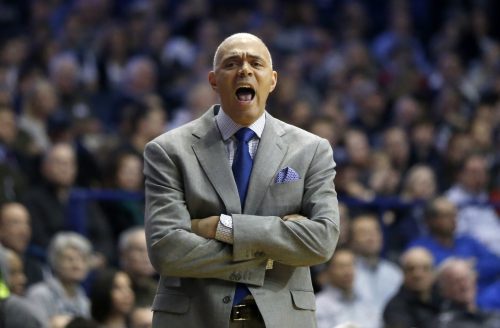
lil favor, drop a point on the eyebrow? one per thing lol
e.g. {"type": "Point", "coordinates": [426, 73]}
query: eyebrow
{"type": "Point", "coordinates": [238, 55]}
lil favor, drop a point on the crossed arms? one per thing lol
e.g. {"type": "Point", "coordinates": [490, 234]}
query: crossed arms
{"type": "Point", "coordinates": [182, 246]}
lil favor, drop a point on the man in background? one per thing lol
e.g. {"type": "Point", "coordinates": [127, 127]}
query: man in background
{"type": "Point", "coordinates": [417, 303]}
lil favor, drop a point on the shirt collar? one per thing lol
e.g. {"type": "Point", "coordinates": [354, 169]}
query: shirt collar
{"type": "Point", "coordinates": [228, 127]}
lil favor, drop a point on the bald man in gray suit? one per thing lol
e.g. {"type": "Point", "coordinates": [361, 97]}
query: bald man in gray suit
{"type": "Point", "coordinates": [238, 206]}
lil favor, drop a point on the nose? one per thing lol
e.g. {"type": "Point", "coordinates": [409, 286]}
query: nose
{"type": "Point", "coordinates": [245, 69]}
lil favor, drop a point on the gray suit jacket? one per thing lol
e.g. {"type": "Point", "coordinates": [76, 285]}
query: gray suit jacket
{"type": "Point", "coordinates": [188, 176]}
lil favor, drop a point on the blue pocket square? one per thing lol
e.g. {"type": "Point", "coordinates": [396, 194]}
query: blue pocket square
{"type": "Point", "coordinates": [287, 174]}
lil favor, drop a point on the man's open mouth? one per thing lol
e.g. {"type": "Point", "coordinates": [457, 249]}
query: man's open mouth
{"type": "Point", "coordinates": [245, 94]}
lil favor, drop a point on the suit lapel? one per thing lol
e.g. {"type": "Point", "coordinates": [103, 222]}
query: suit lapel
{"type": "Point", "coordinates": [211, 154]}
{"type": "Point", "coordinates": [268, 158]}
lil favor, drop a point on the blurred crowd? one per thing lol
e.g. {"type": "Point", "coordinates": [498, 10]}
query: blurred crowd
{"type": "Point", "coordinates": [406, 91]}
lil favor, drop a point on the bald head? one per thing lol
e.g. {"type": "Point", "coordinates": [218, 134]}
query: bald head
{"type": "Point", "coordinates": [417, 264]}
{"type": "Point", "coordinates": [238, 37]}
{"type": "Point", "coordinates": [243, 77]}
{"type": "Point", "coordinates": [457, 281]}
{"type": "Point", "coordinates": [416, 254]}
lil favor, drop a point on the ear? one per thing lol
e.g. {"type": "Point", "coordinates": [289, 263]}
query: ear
{"type": "Point", "coordinates": [275, 81]}
{"type": "Point", "coordinates": [212, 80]}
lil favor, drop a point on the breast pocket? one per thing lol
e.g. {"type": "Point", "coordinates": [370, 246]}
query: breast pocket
{"type": "Point", "coordinates": [285, 198]}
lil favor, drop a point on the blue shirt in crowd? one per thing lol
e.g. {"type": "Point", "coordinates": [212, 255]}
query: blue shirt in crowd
{"type": "Point", "coordinates": [487, 264]}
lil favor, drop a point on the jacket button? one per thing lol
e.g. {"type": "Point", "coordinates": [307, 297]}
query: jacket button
{"type": "Point", "coordinates": [226, 299]}
{"type": "Point", "coordinates": [235, 276]}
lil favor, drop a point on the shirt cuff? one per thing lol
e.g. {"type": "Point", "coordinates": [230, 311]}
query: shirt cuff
{"type": "Point", "coordinates": [224, 230]}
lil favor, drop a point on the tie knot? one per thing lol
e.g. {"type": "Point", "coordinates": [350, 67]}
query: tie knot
{"type": "Point", "coordinates": [244, 135]}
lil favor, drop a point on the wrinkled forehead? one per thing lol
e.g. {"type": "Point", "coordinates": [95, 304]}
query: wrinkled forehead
{"type": "Point", "coordinates": [242, 45]}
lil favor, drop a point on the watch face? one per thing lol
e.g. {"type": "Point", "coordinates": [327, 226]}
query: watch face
{"type": "Point", "coordinates": [226, 220]}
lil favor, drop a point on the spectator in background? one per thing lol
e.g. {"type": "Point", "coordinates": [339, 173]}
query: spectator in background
{"type": "Point", "coordinates": [15, 277]}
{"type": "Point", "coordinates": [125, 174]}
{"type": "Point", "coordinates": [419, 186]}
{"type": "Point", "coordinates": [489, 298]}
{"type": "Point", "coordinates": [139, 79]}
{"type": "Point", "coordinates": [397, 147]}
{"type": "Point", "coordinates": [112, 298]}
{"type": "Point", "coordinates": [482, 132]}
{"type": "Point", "coordinates": [377, 279]}
{"type": "Point", "coordinates": [48, 203]}
{"type": "Point", "coordinates": [61, 129]}
{"type": "Point", "coordinates": [416, 304]}
{"type": "Point", "coordinates": [423, 148]}
{"type": "Point", "coordinates": [301, 113]}
{"type": "Point", "coordinates": [325, 127]}
{"type": "Point", "coordinates": [420, 183]}
{"type": "Point", "coordinates": [457, 284]}
{"type": "Point", "coordinates": [141, 317]}
{"type": "Point", "coordinates": [371, 110]}
{"type": "Point", "coordinates": [319, 272]}
{"type": "Point", "coordinates": [79, 322]}
{"type": "Point", "coordinates": [407, 111]}
{"type": "Point", "coordinates": [398, 32]}
{"type": "Point", "coordinates": [13, 157]}
{"type": "Point", "coordinates": [15, 311]}
{"type": "Point", "coordinates": [469, 193]}
{"type": "Point", "coordinates": [61, 296]}
{"type": "Point", "coordinates": [339, 302]}
{"type": "Point", "coordinates": [459, 146]}
{"type": "Point", "coordinates": [454, 88]}
{"type": "Point", "coordinates": [443, 242]}
{"type": "Point", "coordinates": [112, 58]}
{"type": "Point", "coordinates": [141, 123]}
{"type": "Point", "coordinates": [65, 74]}
{"type": "Point", "coordinates": [345, 225]}
{"type": "Point", "coordinates": [40, 102]}
{"type": "Point", "coordinates": [135, 262]}
{"type": "Point", "coordinates": [356, 172]}
{"type": "Point", "coordinates": [15, 234]}
{"type": "Point", "coordinates": [384, 178]}
{"type": "Point", "coordinates": [199, 97]}
{"type": "Point", "coordinates": [358, 150]}
{"type": "Point", "coordinates": [482, 72]}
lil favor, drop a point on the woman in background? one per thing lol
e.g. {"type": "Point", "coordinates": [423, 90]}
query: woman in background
{"type": "Point", "coordinates": [61, 297]}
{"type": "Point", "coordinates": [112, 298]}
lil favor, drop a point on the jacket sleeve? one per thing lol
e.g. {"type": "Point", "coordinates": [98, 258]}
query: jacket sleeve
{"type": "Point", "coordinates": [174, 250]}
{"type": "Point", "coordinates": [296, 243]}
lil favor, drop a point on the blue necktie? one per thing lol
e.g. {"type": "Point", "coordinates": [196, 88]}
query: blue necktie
{"type": "Point", "coordinates": [242, 168]}
{"type": "Point", "coordinates": [242, 163]}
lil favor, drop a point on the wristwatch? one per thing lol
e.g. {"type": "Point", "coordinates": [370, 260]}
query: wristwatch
{"type": "Point", "coordinates": [224, 231]}
{"type": "Point", "coordinates": [226, 221]}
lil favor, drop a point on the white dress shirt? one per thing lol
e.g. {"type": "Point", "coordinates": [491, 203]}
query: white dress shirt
{"type": "Point", "coordinates": [333, 308]}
